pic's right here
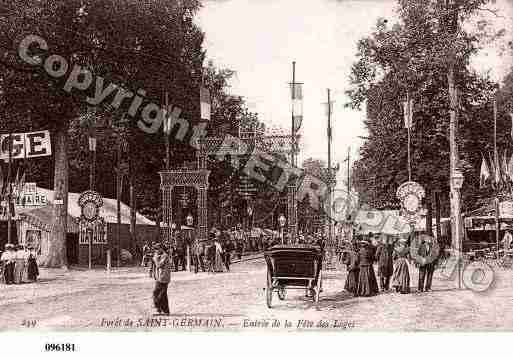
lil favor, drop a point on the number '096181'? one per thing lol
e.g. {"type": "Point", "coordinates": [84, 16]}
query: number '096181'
{"type": "Point", "coordinates": [59, 347]}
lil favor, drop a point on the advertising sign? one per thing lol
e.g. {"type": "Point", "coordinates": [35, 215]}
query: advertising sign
{"type": "Point", "coordinates": [26, 145]}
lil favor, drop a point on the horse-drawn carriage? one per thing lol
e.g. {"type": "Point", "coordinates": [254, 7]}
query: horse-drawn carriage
{"type": "Point", "coordinates": [293, 267]}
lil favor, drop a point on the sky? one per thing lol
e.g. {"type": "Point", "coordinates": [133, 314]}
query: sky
{"type": "Point", "coordinates": [259, 39]}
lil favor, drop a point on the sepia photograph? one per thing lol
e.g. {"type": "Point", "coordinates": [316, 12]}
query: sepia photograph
{"type": "Point", "coordinates": [255, 166]}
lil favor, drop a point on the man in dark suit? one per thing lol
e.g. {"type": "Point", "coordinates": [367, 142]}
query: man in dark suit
{"type": "Point", "coordinates": [162, 279]}
{"type": "Point", "coordinates": [384, 255]}
{"type": "Point", "coordinates": [427, 255]}
{"type": "Point", "coordinates": [180, 250]}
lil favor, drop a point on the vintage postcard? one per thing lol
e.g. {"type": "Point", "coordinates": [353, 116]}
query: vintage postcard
{"type": "Point", "coordinates": [264, 166]}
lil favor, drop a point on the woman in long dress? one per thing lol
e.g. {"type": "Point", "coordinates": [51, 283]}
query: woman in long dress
{"type": "Point", "coordinates": [367, 283]}
{"type": "Point", "coordinates": [19, 266]}
{"type": "Point", "coordinates": [219, 262]}
{"type": "Point", "coordinates": [350, 259]}
{"type": "Point", "coordinates": [401, 278]}
{"type": "Point", "coordinates": [32, 270]}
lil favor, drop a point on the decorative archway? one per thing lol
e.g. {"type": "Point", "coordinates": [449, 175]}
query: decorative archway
{"type": "Point", "coordinates": [197, 179]}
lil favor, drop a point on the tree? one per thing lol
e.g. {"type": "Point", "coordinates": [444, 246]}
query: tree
{"type": "Point", "coordinates": [412, 57]}
{"type": "Point", "coordinates": [141, 45]}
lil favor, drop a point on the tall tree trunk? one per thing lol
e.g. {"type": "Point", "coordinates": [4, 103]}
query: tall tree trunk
{"type": "Point", "coordinates": [437, 216]}
{"type": "Point", "coordinates": [56, 256]}
{"type": "Point", "coordinates": [429, 216]}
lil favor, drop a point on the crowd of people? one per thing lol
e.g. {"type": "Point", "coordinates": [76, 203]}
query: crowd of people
{"type": "Point", "coordinates": [212, 255]}
{"type": "Point", "coordinates": [217, 252]}
{"type": "Point", "coordinates": [18, 264]}
{"type": "Point", "coordinates": [393, 257]}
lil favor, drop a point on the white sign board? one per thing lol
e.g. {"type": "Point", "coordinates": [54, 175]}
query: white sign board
{"type": "Point", "coordinates": [29, 196]}
{"type": "Point", "coordinates": [506, 209]}
{"type": "Point", "coordinates": [26, 145]}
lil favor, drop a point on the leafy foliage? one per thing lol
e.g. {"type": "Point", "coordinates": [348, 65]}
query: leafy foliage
{"type": "Point", "coordinates": [412, 57]}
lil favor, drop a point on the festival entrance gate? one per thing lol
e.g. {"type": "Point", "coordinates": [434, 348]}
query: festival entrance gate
{"type": "Point", "coordinates": [198, 177]}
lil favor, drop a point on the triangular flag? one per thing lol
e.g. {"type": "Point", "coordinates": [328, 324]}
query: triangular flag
{"type": "Point", "coordinates": [411, 112]}
{"type": "Point", "coordinates": [504, 166]}
{"type": "Point", "coordinates": [16, 181]}
{"type": "Point", "coordinates": [484, 174]}
{"type": "Point", "coordinates": [22, 182]}
{"type": "Point", "coordinates": [205, 103]}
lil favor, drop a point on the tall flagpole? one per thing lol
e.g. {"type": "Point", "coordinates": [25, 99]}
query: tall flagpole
{"type": "Point", "coordinates": [408, 118]}
{"type": "Point", "coordinates": [496, 157]}
{"type": "Point", "coordinates": [329, 179]}
{"type": "Point", "coordinates": [292, 206]}
{"type": "Point", "coordinates": [293, 128]}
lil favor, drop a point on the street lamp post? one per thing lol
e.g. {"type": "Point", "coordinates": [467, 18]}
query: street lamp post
{"type": "Point", "coordinates": [281, 221]}
{"type": "Point", "coordinates": [190, 222]}
{"type": "Point", "coordinates": [457, 183]}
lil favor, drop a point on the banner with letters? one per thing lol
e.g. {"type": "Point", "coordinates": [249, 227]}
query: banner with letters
{"type": "Point", "coordinates": [26, 145]}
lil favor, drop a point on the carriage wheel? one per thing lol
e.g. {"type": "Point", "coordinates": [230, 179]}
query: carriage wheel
{"type": "Point", "coordinates": [269, 291]}
{"type": "Point", "coordinates": [281, 293]}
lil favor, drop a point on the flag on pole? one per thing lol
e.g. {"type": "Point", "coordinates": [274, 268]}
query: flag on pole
{"type": "Point", "coordinates": [484, 174]}
{"type": "Point", "coordinates": [408, 113]}
{"type": "Point", "coordinates": [329, 112]}
{"type": "Point", "coordinates": [205, 103]}
{"type": "Point", "coordinates": [91, 126]}
{"type": "Point", "coordinates": [297, 104]}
